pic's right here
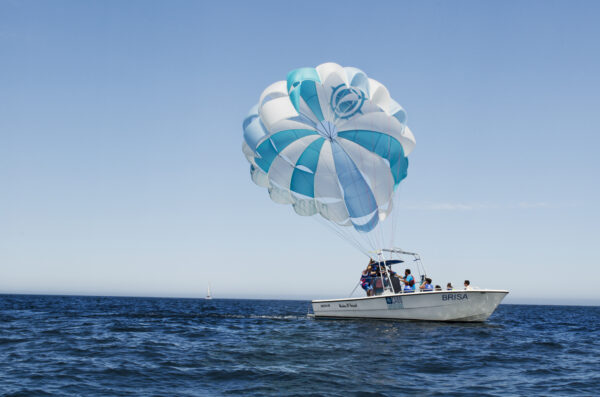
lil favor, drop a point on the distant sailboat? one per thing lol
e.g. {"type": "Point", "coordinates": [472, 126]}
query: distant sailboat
{"type": "Point", "coordinates": [208, 295]}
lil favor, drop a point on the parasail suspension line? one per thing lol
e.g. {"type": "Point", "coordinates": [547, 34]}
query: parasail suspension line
{"type": "Point", "coordinates": [351, 293]}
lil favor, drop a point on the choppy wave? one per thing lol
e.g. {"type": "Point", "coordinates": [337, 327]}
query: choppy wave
{"type": "Point", "coordinates": [52, 345]}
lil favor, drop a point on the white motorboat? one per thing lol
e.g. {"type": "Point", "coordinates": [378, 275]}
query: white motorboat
{"type": "Point", "coordinates": [390, 302]}
{"type": "Point", "coordinates": [468, 306]}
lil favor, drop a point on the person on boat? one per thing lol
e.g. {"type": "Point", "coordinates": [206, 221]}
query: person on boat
{"type": "Point", "coordinates": [438, 288]}
{"type": "Point", "coordinates": [366, 281]}
{"type": "Point", "coordinates": [449, 287]}
{"type": "Point", "coordinates": [372, 267]}
{"type": "Point", "coordinates": [409, 281]}
{"type": "Point", "coordinates": [468, 286]}
{"type": "Point", "coordinates": [395, 279]}
{"type": "Point", "coordinates": [426, 286]}
{"type": "Point", "coordinates": [377, 270]}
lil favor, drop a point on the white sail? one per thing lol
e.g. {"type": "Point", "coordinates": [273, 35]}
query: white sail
{"type": "Point", "coordinates": [208, 295]}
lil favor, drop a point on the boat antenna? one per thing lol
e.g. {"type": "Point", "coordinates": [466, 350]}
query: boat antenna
{"type": "Point", "coordinates": [420, 263]}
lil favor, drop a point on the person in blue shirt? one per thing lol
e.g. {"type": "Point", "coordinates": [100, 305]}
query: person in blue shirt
{"type": "Point", "coordinates": [426, 286]}
{"type": "Point", "coordinates": [409, 281]}
{"type": "Point", "coordinates": [449, 287]}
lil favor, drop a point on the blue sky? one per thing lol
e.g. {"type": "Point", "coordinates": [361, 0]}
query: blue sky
{"type": "Point", "coordinates": [121, 169]}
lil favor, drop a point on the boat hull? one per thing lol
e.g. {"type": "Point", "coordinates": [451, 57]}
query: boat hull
{"type": "Point", "coordinates": [460, 306]}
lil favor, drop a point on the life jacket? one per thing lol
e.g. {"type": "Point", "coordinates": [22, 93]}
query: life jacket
{"type": "Point", "coordinates": [365, 279]}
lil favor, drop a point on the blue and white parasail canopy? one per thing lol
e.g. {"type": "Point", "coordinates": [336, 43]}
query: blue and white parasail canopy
{"type": "Point", "coordinates": [329, 140]}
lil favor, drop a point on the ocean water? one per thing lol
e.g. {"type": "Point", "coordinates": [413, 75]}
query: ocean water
{"type": "Point", "coordinates": [55, 345]}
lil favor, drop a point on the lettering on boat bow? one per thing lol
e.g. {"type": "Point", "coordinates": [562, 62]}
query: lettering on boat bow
{"type": "Point", "coordinates": [455, 297]}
